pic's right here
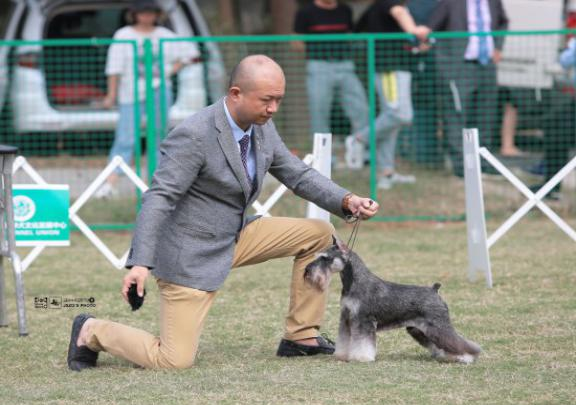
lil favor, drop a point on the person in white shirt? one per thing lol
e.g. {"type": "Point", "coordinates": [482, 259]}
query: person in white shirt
{"type": "Point", "coordinates": [144, 16]}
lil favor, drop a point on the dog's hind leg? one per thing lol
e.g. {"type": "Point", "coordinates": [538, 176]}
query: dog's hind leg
{"type": "Point", "coordinates": [421, 338]}
{"type": "Point", "coordinates": [451, 345]}
{"type": "Point", "coordinates": [344, 339]}
{"type": "Point", "coordinates": [363, 343]}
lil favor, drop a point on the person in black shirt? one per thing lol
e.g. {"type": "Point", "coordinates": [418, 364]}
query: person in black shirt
{"type": "Point", "coordinates": [393, 84]}
{"type": "Point", "coordinates": [330, 70]}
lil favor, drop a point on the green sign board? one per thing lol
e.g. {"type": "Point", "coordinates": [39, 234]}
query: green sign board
{"type": "Point", "coordinates": [41, 214]}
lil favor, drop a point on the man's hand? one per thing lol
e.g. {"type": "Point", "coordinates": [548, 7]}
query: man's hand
{"type": "Point", "coordinates": [361, 207]}
{"type": "Point", "coordinates": [421, 32]}
{"type": "Point", "coordinates": [497, 56]}
{"type": "Point", "coordinates": [109, 101]}
{"type": "Point", "coordinates": [138, 275]}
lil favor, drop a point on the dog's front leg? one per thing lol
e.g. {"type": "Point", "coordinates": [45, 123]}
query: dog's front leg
{"type": "Point", "coordinates": [363, 343]}
{"type": "Point", "coordinates": [343, 341]}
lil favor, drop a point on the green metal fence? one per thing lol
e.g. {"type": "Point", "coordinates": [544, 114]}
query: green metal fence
{"type": "Point", "coordinates": [346, 84]}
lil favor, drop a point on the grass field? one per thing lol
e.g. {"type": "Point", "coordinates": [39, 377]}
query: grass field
{"type": "Point", "coordinates": [526, 325]}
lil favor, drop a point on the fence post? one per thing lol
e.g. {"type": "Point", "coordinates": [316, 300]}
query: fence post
{"type": "Point", "coordinates": [151, 141]}
{"type": "Point", "coordinates": [322, 155]}
{"type": "Point", "coordinates": [475, 208]}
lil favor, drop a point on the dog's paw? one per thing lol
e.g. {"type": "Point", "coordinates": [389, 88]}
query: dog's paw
{"type": "Point", "coordinates": [342, 356]}
{"type": "Point", "coordinates": [466, 358]}
{"type": "Point", "coordinates": [362, 359]}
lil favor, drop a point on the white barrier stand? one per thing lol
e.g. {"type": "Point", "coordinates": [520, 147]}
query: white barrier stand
{"type": "Point", "coordinates": [116, 162]}
{"type": "Point", "coordinates": [479, 261]}
{"type": "Point", "coordinates": [320, 160]}
{"type": "Point", "coordinates": [476, 229]}
{"type": "Point", "coordinates": [322, 155]}
{"type": "Point", "coordinates": [20, 163]}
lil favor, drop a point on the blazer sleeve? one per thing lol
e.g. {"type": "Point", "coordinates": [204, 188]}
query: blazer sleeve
{"type": "Point", "coordinates": [181, 160]}
{"type": "Point", "coordinates": [502, 23]}
{"type": "Point", "coordinates": [302, 179]}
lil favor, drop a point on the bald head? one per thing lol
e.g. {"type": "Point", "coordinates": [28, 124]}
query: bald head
{"type": "Point", "coordinates": [252, 68]}
{"type": "Point", "coordinates": [257, 87]}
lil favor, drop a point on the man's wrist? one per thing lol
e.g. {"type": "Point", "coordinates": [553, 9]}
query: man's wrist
{"type": "Point", "coordinates": [346, 204]}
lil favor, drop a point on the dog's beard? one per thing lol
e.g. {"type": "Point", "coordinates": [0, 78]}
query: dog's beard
{"type": "Point", "coordinates": [319, 279]}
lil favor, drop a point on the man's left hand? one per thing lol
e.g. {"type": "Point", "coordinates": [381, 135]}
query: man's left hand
{"type": "Point", "coordinates": [362, 207]}
{"type": "Point", "coordinates": [497, 56]}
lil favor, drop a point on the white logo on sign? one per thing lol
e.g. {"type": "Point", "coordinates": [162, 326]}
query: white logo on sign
{"type": "Point", "coordinates": [24, 208]}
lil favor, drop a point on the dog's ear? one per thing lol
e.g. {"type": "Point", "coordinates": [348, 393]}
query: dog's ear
{"type": "Point", "coordinates": [342, 246]}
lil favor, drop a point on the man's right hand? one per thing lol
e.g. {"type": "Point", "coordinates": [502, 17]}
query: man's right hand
{"type": "Point", "coordinates": [137, 275]}
{"type": "Point", "coordinates": [109, 101]}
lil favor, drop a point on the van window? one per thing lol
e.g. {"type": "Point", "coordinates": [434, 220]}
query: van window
{"type": "Point", "coordinates": [85, 24]}
{"type": "Point", "coordinates": [5, 15]}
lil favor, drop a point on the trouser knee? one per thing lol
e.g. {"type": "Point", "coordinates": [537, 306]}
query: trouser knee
{"type": "Point", "coordinates": [176, 363]}
{"type": "Point", "coordinates": [324, 232]}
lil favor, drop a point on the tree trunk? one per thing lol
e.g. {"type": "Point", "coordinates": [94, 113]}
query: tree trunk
{"type": "Point", "coordinates": [227, 17]}
{"type": "Point", "coordinates": [283, 13]}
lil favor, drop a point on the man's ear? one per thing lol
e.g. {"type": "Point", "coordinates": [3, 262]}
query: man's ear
{"type": "Point", "coordinates": [234, 92]}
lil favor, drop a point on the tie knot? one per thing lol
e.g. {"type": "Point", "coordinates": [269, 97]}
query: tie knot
{"type": "Point", "coordinates": [244, 142]}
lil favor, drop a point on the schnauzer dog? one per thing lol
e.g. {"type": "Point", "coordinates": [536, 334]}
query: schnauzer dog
{"type": "Point", "coordinates": [369, 304]}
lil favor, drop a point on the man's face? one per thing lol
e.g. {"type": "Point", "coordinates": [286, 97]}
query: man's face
{"type": "Point", "coordinates": [260, 101]}
{"type": "Point", "coordinates": [146, 17]}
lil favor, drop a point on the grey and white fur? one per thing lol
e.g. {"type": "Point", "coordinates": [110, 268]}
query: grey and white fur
{"type": "Point", "coordinates": [369, 305]}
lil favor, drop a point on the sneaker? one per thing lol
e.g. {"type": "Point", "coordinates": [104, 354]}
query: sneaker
{"type": "Point", "coordinates": [386, 182]}
{"type": "Point", "coordinates": [398, 178]}
{"type": "Point", "coordinates": [354, 153]}
{"type": "Point", "coordinates": [106, 190]}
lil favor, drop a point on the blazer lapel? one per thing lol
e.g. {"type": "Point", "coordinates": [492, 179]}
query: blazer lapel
{"type": "Point", "coordinates": [230, 149]}
{"type": "Point", "coordinates": [257, 145]}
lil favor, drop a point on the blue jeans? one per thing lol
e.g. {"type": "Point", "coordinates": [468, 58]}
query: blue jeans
{"type": "Point", "coordinates": [394, 92]}
{"type": "Point", "coordinates": [324, 79]}
{"type": "Point", "coordinates": [124, 135]}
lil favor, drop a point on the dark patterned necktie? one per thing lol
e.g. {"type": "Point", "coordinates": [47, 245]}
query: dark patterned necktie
{"type": "Point", "coordinates": [244, 155]}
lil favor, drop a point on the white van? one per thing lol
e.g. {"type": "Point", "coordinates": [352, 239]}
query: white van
{"type": "Point", "coordinates": [60, 89]}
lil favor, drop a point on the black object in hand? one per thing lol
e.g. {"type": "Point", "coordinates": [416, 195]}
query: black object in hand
{"type": "Point", "coordinates": [133, 299]}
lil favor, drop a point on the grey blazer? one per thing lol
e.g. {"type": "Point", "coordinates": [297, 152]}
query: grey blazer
{"type": "Point", "coordinates": [197, 205]}
{"type": "Point", "coordinates": [451, 15]}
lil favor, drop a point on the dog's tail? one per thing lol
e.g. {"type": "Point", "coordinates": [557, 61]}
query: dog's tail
{"type": "Point", "coordinates": [450, 341]}
{"type": "Point", "coordinates": [436, 287]}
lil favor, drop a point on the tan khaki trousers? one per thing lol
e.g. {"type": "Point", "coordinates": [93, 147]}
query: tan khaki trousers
{"type": "Point", "coordinates": [183, 310]}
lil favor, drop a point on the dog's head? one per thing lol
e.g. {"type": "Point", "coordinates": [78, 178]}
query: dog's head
{"type": "Point", "coordinates": [332, 260]}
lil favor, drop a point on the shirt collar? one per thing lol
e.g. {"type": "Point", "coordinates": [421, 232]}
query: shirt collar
{"type": "Point", "coordinates": [237, 131]}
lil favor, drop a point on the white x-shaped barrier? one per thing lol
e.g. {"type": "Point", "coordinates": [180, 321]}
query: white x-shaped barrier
{"type": "Point", "coordinates": [478, 243]}
{"type": "Point", "coordinates": [320, 160]}
{"type": "Point", "coordinates": [20, 163]}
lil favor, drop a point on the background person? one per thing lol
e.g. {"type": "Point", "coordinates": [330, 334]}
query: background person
{"type": "Point", "coordinates": [467, 70]}
{"type": "Point", "coordinates": [144, 16]}
{"type": "Point", "coordinates": [193, 227]}
{"type": "Point", "coordinates": [330, 70]}
{"type": "Point", "coordinates": [393, 85]}
{"type": "Point", "coordinates": [560, 129]}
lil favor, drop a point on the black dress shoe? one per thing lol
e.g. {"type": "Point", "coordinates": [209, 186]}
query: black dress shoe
{"type": "Point", "coordinates": [289, 348]}
{"type": "Point", "coordinates": [80, 357]}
